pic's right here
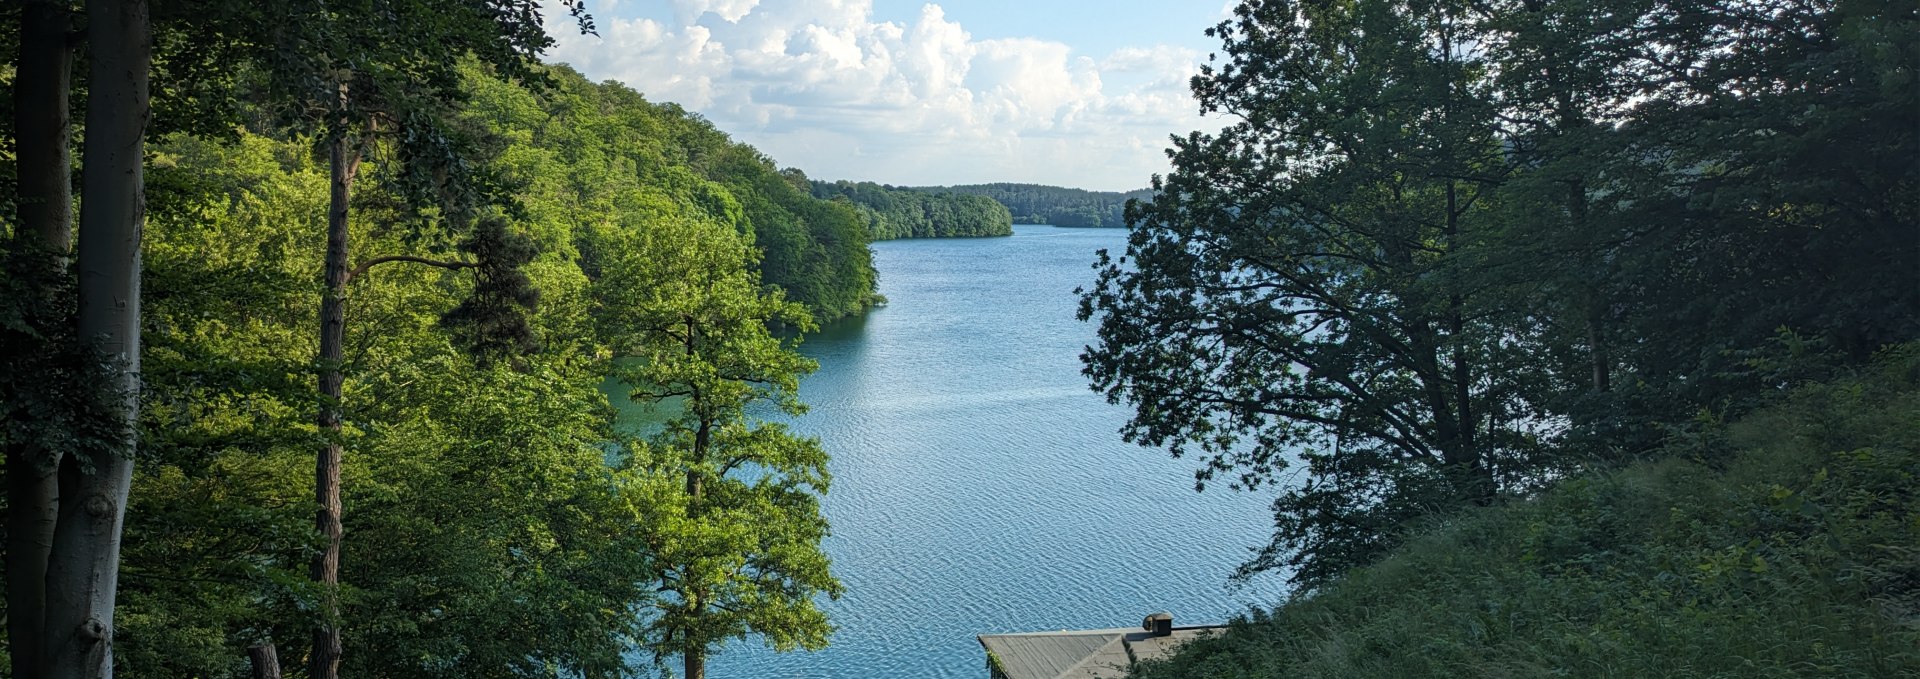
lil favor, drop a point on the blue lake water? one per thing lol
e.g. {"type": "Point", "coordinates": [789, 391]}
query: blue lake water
{"type": "Point", "coordinates": [980, 487]}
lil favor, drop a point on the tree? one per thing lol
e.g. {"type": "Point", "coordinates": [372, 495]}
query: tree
{"type": "Point", "coordinates": [1299, 286]}
{"type": "Point", "coordinates": [487, 538]}
{"type": "Point", "coordinates": [1439, 236]}
{"type": "Point", "coordinates": [39, 329]}
{"type": "Point", "coordinates": [727, 506]}
{"type": "Point", "coordinates": [67, 403]}
{"type": "Point", "coordinates": [1680, 204]}
{"type": "Point", "coordinates": [813, 249]}
{"type": "Point", "coordinates": [351, 76]}
{"type": "Point", "coordinates": [1563, 76]}
{"type": "Point", "coordinates": [1769, 169]}
{"type": "Point", "coordinates": [83, 565]}
{"type": "Point", "coordinates": [230, 29]}
{"type": "Point", "coordinates": [475, 473]}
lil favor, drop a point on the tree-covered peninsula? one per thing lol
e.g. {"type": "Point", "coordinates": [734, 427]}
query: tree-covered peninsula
{"type": "Point", "coordinates": [894, 212]}
{"type": "Point", "coordinates": [1059, 206]}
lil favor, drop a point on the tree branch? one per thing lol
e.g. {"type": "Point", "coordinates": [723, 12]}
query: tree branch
{"type": "Point", "coordinates": [364, 266]}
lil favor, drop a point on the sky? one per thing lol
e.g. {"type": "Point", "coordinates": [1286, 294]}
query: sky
{"type": "Point", "coordinates": [1079, 93]}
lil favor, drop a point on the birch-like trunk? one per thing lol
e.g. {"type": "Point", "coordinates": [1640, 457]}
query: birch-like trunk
{"type": "Point", "coordinates": [84, 567]}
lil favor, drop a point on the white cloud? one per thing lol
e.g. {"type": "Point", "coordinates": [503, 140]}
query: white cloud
{"type": "Point", "coordinates": [689, 11]}
{"type": "Point", "coordinates": [821, 85]}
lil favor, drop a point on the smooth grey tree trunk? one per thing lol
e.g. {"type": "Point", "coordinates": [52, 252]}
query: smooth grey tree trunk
{"type": "Point", "coordinates": [324, 662]}
{"type": "Point", "coordinates": [84, 567]}
{"type": "Point", "coordinates": [42, 239]}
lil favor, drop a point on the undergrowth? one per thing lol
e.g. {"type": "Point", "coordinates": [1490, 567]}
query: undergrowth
{"type": "Point", "coordinates": [1787, 544]}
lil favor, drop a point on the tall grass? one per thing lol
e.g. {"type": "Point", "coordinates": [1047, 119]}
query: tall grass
{"type": "Point", "coordinates": [1786, 544]}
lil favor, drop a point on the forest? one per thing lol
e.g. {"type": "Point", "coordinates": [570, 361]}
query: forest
{"type": "Point", "coordinates": [1572, 338]}
{"type": "Point", "coordinates": [893, 212]}
{"type": "Point", "coordinates": [1058, 206]}
{"type": "Point", "coordinates": [406, 466]}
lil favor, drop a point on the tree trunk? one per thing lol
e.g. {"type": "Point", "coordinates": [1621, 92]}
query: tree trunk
{"type": "Point", "coordinates": [696, 664]}
{"type": "Point", "coordinates": [1597, 341]}
{"type": "Point", "coordinates": [33, 498]}
{"type": "Point", "coordinates": [84, 566]}
{"type": "Point", "coordinates": [1594, 300]}
{"type": "Point", "coordinates": [43, 237]}
{"type": "Point", "coordinates": [344, 162]}
{"type": "Point", "coordinates": [1480, 486]}
{"type": "Point", "coordinates": [696, 481]}
{"type": "Point", "coordinates": [1472, 463]}
{"type": "Point", "coordinates": [42, 77]}
{"type": "Point", "coordinates": [702, 435]}
{"type": "Point", "coordinates": [1571, 120]}
{"type": "Point", "coordinates": [265, 661]}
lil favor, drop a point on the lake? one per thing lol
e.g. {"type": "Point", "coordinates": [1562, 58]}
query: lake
{"type": "Point", "coordinates": [979, 486]}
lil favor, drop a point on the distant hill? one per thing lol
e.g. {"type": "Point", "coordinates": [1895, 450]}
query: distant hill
{"type": "Point", "coordinates": [897, 212]}
{"type": "Point", "coordinates": [1059, 206]}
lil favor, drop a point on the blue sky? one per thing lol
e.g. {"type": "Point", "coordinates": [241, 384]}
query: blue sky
{"type": "Point", "coordinates": [1067, 92]}
{"type": "Point", "coordinates": [1092, 27]}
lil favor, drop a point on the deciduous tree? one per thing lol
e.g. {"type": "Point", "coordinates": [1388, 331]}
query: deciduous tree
{"type": "Point", "coordinates": [726, 504]}
{"type": "Point", "coordinates": [83, 567]}
{"type": "Point", "coordinates": [1298, 290]}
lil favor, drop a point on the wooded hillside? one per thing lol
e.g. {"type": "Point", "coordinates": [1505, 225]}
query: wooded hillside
{"type": "Point", "coordinates": [1454, 263]}
{"type": "Point", "coordinates": [1779, 545]}
{"type": "Point", "coordinates": [493, 522]}
{"type": "Point", "coordinates": [1059, 206]}
{"type": "Point", "coordinates": [892, 212]}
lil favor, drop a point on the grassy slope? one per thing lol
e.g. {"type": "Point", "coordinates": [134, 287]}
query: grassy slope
{"type": "Point", "coordinates": [1787, 546]}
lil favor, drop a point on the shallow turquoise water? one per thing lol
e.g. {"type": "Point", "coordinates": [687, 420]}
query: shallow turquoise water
{"type": "Point", "coordinates": [980, 487]}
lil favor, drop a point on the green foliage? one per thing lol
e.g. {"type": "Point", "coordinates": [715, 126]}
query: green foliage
{"type": "Point", "coordinates": [1442, 235]}
{"type": "Point", "coordinates": [1284, 303]}
{"type": "Point", "coordinates": [603, 154]}
{"type": "Point", "coordinates": [478, 497]}
{"type": "Point", "coordinates": [1785, 548]}
{"type": "Point", "coordinates": [727, 506]}
{"type": "Point", "coordinates": [814, 249]}
{"type": "Point", "coordinates": [486, 533]}
{"type": "Point", "coordinates": [1732, 210]}
{"type": "Point", "coordinates": [1058, 206]}
{"type": "Point", "coordinates": [892, 212]}
{"type": "Point", "coordinates": [492, 321]}
{"type": "Point", "coordinates": [219, 522]}
{"type": "Point", "coordinates": [49, 393]}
